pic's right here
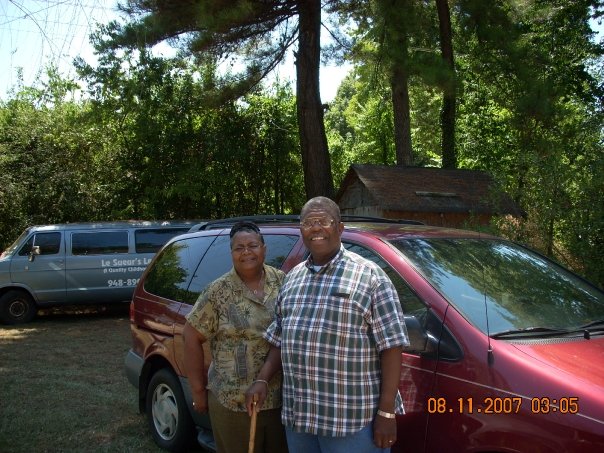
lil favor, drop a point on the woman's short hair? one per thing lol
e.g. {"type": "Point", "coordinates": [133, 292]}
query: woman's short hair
{"type": "Point", "coordinates": [245, 226]}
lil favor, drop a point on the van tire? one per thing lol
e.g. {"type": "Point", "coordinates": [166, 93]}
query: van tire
{"type": "Point", "coordinates": [171, 423]}
{"type": "Point", "coordinates": [17, 307]}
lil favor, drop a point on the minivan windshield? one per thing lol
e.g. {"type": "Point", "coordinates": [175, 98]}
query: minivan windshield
{"type": "Point", "coordinates": [517, 289]}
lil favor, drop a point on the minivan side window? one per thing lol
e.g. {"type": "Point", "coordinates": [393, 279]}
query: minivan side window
{"type": "Point", "coordinates": [218, 259]}
{"type": "Point", "coordinates": [49, 243]}
{"type": "Point", "coordinates": [216, 262]}
{"type": "Point", "coordinates": [174, 267]}
{"type": "Point", "coordinates": [99, 243]}
{"type": "Point", "coordinates": [413, 307]}
{"type": "Point", "coordinates": [410, 302]}
{"type": "Point", "coordinates": [151, 240]}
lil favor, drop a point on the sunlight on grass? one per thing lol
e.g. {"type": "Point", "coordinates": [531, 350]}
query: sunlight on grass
{"type": "Point", "coordinates": [12, 334]}
{"type": "Point", "coordinates": [64, 388]}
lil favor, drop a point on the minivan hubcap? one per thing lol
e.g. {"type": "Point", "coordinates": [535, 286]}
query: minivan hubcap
{"type": "Point", "coordinates": [165, 412]}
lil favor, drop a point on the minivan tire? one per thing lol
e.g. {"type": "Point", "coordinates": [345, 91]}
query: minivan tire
{"type": "Point", "coordinates": [17, 307]}
{"type": "Point", "coordinates": [171, 423]}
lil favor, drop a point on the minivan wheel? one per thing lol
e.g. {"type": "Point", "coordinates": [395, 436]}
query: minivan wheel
{"type": "Point", "coordinates": [17, 307]}
{"type": "Point", "coordinates": [169, 418]}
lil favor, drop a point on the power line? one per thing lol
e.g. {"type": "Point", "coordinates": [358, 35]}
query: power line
{"type": "Point", "coordinates": [35, 33]}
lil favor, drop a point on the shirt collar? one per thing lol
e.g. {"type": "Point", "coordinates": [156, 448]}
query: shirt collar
{"type": "Point", "coordinates": [234, 276]}
{"type": "Point", "coordinates": [310, 264]}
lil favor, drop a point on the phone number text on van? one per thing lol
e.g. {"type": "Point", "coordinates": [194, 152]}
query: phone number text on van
{"type": "Point", "coordinates": [120, 282]}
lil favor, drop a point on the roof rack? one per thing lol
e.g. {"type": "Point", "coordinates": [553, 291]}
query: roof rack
{"type": "Point", "coordinates": [284, 218]}
{"type": "Point", "coordinates": [362, 218]}
{"type": "Point", "coordinates": [259, 219]}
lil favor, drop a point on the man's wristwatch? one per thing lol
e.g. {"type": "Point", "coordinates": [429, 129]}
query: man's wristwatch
{"type": "Point", "coordinates": [385, 414]}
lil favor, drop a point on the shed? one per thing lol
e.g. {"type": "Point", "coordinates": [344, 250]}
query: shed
{"type": "Point", "coordinates": [435, 196]}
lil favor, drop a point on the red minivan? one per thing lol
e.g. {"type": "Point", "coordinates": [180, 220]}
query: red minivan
{"type": "Point", "coordinates": [507, 347]}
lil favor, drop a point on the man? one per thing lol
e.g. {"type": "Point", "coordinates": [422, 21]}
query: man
{"type": "Point", "coordinates": [338, 336]}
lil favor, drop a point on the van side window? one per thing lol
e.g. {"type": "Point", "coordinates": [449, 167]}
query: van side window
{"type": "Point", "coordinates": [174, 267]}
{"type": "Point", "coordinates": [49, 243]}
{"type": "Point", "coordinates": [150, 241]}
{"type": "Point", "coordinates": [99, 243]}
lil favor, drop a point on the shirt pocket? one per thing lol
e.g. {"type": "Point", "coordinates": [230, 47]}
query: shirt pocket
{"type": "Point", "coordinates": [342, 314]}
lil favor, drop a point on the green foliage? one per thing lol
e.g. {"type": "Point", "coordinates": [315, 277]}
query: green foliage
{"type": "Point", "coordinates": [145, 145]}
{"type": "Point", "coordinates": [184, 155]}
{"type": "Point", "coordinates": [152, 138]}
{"type": "Point", "coordinates": [529, 112]}
{"type": "Point", "coordinates": [46, 155]}
{"type": "Point", "coordinates": [529, 116]}
{"type": "Point", "coordinates": [360, 126]}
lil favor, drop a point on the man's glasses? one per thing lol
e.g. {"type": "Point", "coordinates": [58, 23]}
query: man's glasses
{"type": "Point", "coordinates": [250, 248]}
{"type": "Point", "coordinates": [323, 222]}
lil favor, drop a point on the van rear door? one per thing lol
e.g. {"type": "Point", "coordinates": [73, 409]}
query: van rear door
{"type": "Point", "coordinates": [43, 274]}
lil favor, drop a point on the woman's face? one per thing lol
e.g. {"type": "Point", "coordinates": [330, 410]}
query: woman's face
{"type": "Point", "coordinates": [247, 252]}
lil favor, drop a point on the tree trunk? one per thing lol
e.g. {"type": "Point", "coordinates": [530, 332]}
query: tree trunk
{"type": "Point", "coordinates": [397, 37]}
{"type": "Point", "coordinates": [402, 116]}
{"type": "Point", "coordinates": [313, 141]}
{"type": "Point", "coordinates": [447, 114]}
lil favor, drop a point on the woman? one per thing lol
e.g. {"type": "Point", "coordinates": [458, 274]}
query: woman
{"type": "Point", "coordinates": [232, 314]}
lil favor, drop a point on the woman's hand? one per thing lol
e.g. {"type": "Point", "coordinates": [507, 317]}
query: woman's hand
{"type": "Point", "coordinates": [200, 401]}
{"type": "Point", "coordinates": [260, 389]}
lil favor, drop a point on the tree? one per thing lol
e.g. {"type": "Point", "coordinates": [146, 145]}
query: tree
{"type": "Point", "coordinates": [447, 116]}
{"type": "Point", "coordinates": [184, 158]}
{"type": "Point", "coordinates": [261, 33]}
{"type": "Point", "coordinates": [47, 149]}
{"type": "Point", "coordinates": [399, 39]}
{"type": "Point", "coordinates": [398, 17]}
{"type": "Point", "coordinates": [530, 115]}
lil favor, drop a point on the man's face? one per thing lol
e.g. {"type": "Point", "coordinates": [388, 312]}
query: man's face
{"type": "Point", "coordinates": [321, 235]}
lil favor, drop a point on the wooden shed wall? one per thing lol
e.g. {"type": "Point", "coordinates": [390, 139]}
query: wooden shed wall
{"type": "Point", "coordinates": [451, 219]}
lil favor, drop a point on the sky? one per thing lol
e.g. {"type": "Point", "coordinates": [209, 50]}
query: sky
{"type": "Point", "coordinates": [34, 33]}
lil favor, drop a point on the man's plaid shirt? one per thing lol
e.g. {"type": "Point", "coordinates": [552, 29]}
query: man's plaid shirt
{"type": "Point", "coordinates": [331, 326]}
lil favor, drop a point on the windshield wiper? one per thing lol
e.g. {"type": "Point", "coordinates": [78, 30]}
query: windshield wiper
{"type": "Point", "coordinates": [529, 332]}
{"type": "Point", "coordinates": [598, 324]}
{"type": "Point", "coordinates": [591, 328]}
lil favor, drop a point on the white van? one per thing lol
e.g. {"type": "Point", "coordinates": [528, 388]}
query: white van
{"type": "Point", "coordinates": [79, 263]}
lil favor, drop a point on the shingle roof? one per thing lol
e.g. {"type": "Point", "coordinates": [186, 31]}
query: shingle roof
{"type": "Point", "coordinates": [414, 189]}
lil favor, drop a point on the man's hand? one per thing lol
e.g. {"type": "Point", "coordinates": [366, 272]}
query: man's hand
{"type": "Point", "coordinates": [384, 431]}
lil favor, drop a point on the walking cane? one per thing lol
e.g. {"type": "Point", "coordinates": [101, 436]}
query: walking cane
{"type": "Point", "coordinates": [250, 448]}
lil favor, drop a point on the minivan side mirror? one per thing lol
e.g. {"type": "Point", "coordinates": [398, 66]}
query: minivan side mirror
{"type": "Point", "coordinates": [421, 341]}
{"type": "Point", "coordinates": [35, 250]}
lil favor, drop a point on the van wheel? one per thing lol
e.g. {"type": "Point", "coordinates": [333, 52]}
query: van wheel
{"type": "Point", "coordinates": [167, 412]}
{"type": "Point", "coordinates": [17, 307]}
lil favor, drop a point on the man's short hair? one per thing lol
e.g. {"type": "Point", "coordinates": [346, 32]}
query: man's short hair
{"type": "Point", "coordinates": [324, 203]}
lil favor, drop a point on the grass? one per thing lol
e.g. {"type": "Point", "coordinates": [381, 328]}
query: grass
{"type": "Point", "coordinates": [63, 386]}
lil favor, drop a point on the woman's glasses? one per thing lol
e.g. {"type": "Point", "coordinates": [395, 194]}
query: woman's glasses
{"type": "Point", "coordinates": [253, 248]}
